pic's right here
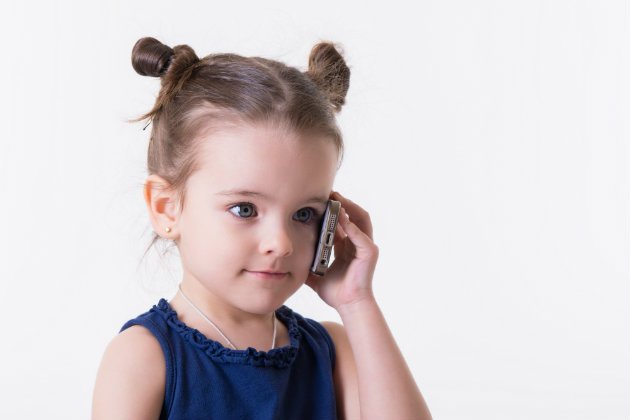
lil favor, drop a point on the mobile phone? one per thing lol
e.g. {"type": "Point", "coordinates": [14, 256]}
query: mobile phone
{"type": "Point", "coordinates": [327, 229]}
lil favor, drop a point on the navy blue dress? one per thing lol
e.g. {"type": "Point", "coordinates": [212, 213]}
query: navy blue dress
{"type": "Point", "coordinates": [205, 380]}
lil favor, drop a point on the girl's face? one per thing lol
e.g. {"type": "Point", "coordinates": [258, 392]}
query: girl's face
{"type": "Point", "coordinates": [253, 208]}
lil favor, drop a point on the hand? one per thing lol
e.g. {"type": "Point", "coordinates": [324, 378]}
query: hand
{"type": "Point", "coordinates": [349, 278]}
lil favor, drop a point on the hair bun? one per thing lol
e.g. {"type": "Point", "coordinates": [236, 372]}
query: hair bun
{"type": "Point", "coordinates": [328, 69]}
{"type": "Point", "coordinates": [150, 57]}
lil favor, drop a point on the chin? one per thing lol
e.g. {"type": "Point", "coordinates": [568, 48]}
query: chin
{"type": "Point", "coordinates": [265, 303]}
{"type": "Point", "coordinates": [261, 308]}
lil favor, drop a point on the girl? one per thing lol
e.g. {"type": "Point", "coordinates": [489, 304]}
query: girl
{"type": "Point", "coordinates": [242, 160]}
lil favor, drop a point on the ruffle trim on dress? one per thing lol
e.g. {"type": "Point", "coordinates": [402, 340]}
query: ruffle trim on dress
{"type": "Point", "coordinates": [280, 357]}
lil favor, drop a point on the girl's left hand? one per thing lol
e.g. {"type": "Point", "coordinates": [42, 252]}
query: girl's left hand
{"type": "Point", "coordinates": [349, 278]}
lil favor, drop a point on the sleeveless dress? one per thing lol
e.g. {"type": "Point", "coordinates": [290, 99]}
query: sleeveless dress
{"type": "Point", "coordinates": [205, 380]}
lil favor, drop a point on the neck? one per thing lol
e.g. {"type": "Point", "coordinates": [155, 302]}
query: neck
{"type": "Point", "coordinates": [217, 308]}
{"type": "Point", "coordinates": [239, 327]}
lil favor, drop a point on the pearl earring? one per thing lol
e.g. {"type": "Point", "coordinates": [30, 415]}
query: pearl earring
{"type": "Point", "coordinates": [168, 230]}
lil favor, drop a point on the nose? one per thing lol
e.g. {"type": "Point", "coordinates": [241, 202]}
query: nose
{"type": "Point", "coordinates": [276, 239]}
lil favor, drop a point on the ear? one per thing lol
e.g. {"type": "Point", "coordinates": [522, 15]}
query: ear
{"type": "Point", "coordinates": [162, 205]}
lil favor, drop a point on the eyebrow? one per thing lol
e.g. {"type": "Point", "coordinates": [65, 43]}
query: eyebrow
{"type": "Point", "coordinates": [246, 193]}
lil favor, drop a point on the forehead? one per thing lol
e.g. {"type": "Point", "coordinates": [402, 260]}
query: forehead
{"type": "Point", "coordinates": [266, 158]}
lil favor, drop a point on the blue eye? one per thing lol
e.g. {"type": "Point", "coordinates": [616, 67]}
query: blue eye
{"type": "Point", "coordinates": [304, 215]}
{"type": "Point", "coordinates": [243, 210]}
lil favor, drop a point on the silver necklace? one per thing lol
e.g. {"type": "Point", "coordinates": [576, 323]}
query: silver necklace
{"type": "Point", "coordinates": [273, 315]}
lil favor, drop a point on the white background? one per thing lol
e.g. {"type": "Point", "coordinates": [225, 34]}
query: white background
{"type": "Point", "coordinates": [489, 141]}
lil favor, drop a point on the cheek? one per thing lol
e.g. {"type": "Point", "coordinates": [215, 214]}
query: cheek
{"type": "Point", "coordinates": [307, 242]}
{"type": "Point", "coordinates": [303, 255]}
{"type": "Point", "coordinates": [210, 241]}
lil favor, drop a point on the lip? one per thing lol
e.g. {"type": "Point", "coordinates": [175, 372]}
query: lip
{"type": "Point", "coordinates": [268, 275]}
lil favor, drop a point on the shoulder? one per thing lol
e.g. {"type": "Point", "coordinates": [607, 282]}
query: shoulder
{"type": "Point", "coordinates": [335, 329]}
{"type": "Point", "coordinates": [345, 374]}
{"type": "Point", "coordinates": [131, 378]}
{"type": "Point", "coordinates": [339, 337]}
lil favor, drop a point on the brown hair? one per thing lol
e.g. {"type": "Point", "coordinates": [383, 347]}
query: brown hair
{"type": "Point", "coordinates": [197, 94]}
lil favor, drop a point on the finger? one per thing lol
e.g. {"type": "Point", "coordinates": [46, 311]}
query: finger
{"type": "Point", "coordinates": [359, 216]}
{"type": "Point", "coordinates": [364, 247]}
{"type": "Point", "coordinates": [339, 232]}
{"type": "Point", "coordinates": [340, 240]}
{"type": "Point", "coordinates": [343, 246]}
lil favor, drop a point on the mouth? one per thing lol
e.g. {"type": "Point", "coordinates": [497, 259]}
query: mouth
{"type": "Point", "coordinates": [268, 275]}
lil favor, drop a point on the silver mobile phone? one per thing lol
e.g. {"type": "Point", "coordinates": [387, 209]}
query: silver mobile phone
{"type": "Point", "coordinates": [323, 251]}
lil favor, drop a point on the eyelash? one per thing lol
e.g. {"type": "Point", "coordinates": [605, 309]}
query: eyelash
{"type": "Point", "coordinates": [315, 215]}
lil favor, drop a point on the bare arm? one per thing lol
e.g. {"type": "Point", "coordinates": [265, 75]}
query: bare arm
{"type": "Point", "coordinates": [371, 374]}
{"type": "Point", "coordinates": [372, 379]}
{"type": "Point", "coordinates": [131, 378]}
